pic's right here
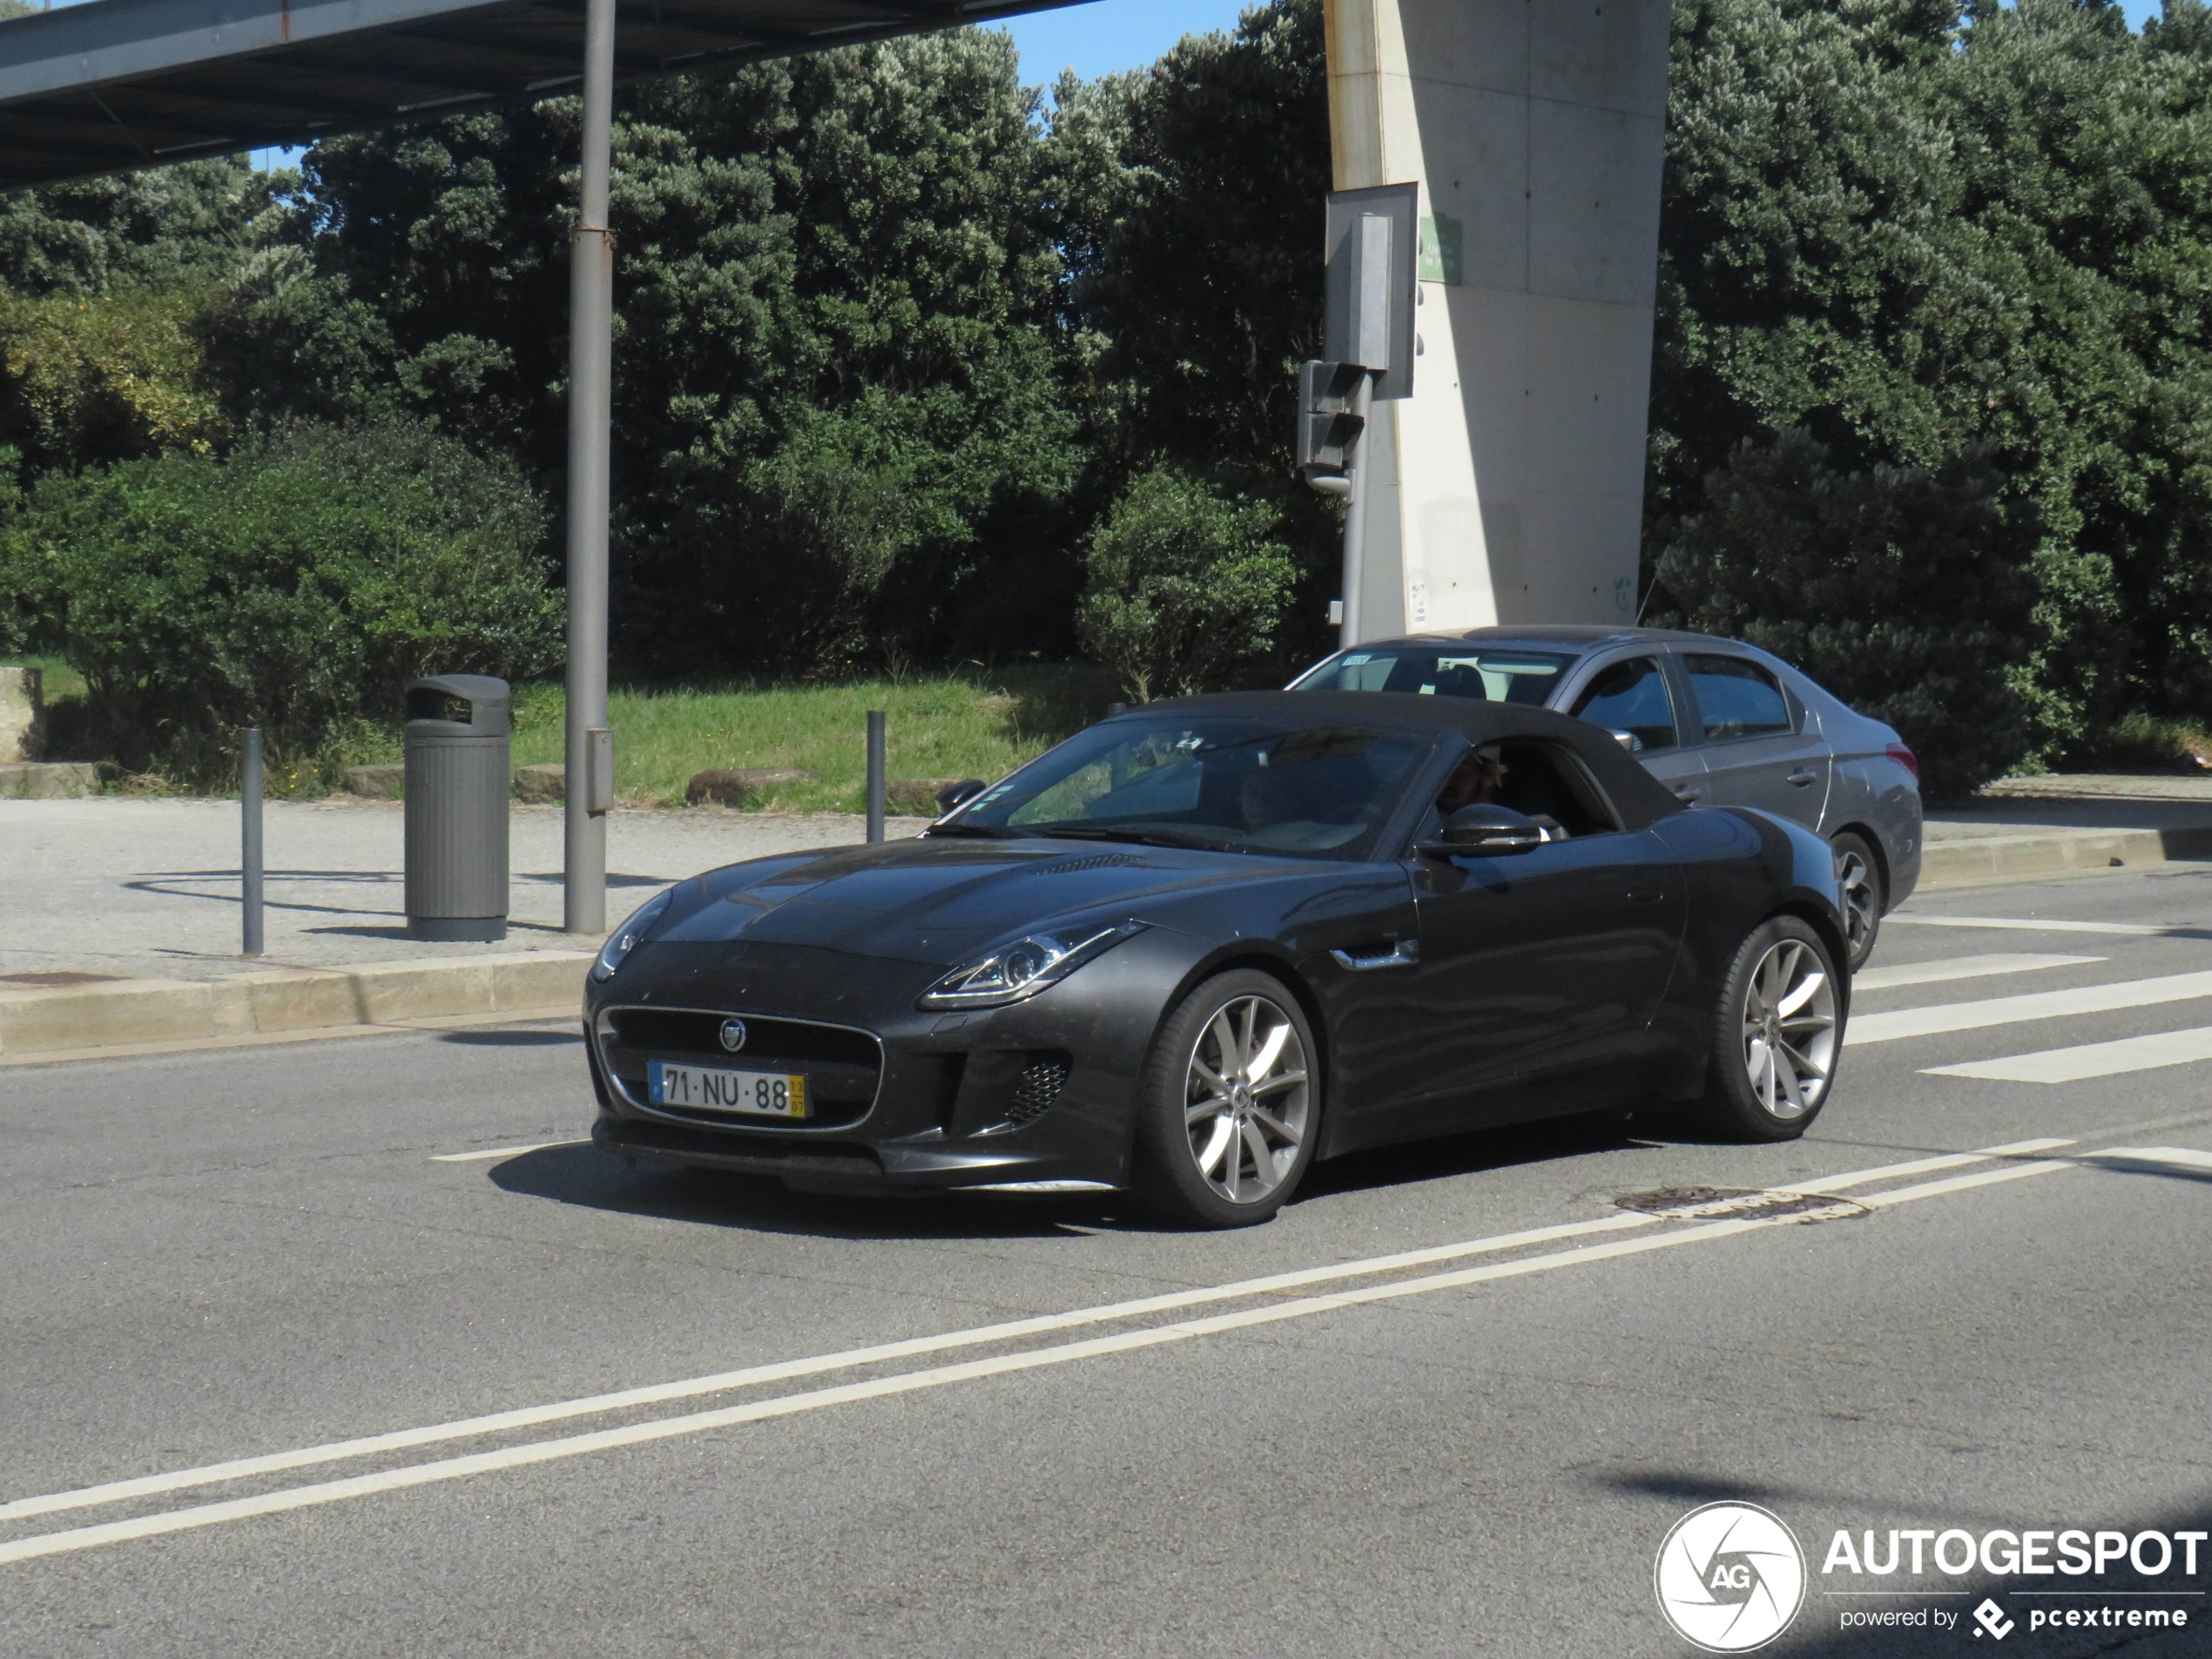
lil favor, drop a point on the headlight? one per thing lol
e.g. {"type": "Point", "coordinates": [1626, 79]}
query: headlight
{"type": "Point", "coordinates": [1021, 968]}
{"type": "Point", "coordinates": [627, 937]}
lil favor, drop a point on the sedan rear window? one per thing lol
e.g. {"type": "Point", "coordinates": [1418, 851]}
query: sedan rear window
{"type": "Point", "coordinates": [1523, 677]}
{"type": "Point", "coordinates": [1737, 699]}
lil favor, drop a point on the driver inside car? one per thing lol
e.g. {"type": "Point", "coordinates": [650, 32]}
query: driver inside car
{"type": "Point", "coordinates": [1480, 777]}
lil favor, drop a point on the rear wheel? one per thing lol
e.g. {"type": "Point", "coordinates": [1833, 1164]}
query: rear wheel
{"type": "Point", "coordinates": [1777, 1028]}
{"type": "Point", "coordinates": [1864, 896]}
{"type": "Point", "coordinates": [1229, 1108]}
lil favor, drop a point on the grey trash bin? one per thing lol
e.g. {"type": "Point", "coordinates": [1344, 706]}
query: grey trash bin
{"type": "Point", "coordinates": [457, 736]}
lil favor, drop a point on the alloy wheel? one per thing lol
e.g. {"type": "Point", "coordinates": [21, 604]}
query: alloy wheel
{"type": "Point", "coordinates": [1246, 1102]}
{"type": "Point", "coordinates": [1862, 899]}
{"type": "Point", "coordinates": [1789, 1029]}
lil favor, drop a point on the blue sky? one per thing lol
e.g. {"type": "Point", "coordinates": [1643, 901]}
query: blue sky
{"type": "Point", "coordinates": [1107, 35]}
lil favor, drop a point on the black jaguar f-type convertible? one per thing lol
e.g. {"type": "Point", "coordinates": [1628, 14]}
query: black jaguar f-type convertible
{"type": "Point", "coordinates": [1201, 944]}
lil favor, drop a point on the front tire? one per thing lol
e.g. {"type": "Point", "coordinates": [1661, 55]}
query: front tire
{"type": "Point", "coordinates": [1778, 1029]}
{"type": "Point", "coordinates": [1229, 1108]}
{"type": "Point", "coordinates": [1865, 896]}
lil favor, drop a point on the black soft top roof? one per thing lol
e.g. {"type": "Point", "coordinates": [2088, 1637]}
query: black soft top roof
{"type": "Point", "coordinates": [1641, 797]}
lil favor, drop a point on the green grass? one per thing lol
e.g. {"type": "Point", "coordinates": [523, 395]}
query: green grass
{"type": "Point", "coordinates": [975, 725]}
{"type": "Point", "coordinates": [57, 678]}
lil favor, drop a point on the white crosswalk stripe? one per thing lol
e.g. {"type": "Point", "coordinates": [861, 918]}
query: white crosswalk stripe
{"type": "Point", "coordinates": [2032, 925]}
{"type": "Point", "coordinates": [1952, 967]}
{"type": "Point", "coordinates": [2090, 1059]}
{"type": "Point", "coordinates": [2034, 1005]}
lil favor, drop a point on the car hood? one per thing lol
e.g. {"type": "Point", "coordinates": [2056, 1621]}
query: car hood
{"type": "Point", "coordinates": [937, 901]}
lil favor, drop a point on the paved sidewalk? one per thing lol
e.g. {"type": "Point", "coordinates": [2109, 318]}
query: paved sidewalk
{"type": "Point", "coordinates": [149, 889]}
{"type": "Point", "coordinates": [2071, 824]}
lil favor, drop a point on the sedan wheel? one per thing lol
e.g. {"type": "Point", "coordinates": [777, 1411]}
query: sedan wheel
{"type": "Point", "coordinates": [1777, 1031]}
{"type": "Point", "coordinates": [1860, 878]}
{"type": "Point", "coordinates": [1229, 1105]}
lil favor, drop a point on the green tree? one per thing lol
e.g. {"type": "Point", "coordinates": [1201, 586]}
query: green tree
{"type": "Point", "coordinates": [1187, 584]}
{"type": "Point", "coordinates": [1905, 594]}
{"type": "Point", "coordinates": [293, 585]}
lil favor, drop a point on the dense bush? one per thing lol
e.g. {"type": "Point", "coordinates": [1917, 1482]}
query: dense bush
{"type": "Point", "coordinates": [1901, 592]}
{"type": "Point", "coordinates": [293, 585]}
{"type": "Point", "coordinates": [1187, 584]}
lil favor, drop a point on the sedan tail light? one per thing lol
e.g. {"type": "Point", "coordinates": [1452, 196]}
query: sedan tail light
{"type": "Point", "coordinates": [1904, 757]}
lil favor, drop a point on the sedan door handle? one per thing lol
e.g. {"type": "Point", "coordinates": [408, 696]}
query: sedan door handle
{"type": "Point", "coordinates": [1689, 792]}
{"type": "Point", "coordinates": [1407, 952]}
{"type": "Point", "coordinates": [1801, 779]}
{"type": "Point", "coordinates": [1646, 895]}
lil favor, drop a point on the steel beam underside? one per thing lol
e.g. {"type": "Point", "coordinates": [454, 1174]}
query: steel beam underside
{"type": "Point", "coordinates": [113, 84]}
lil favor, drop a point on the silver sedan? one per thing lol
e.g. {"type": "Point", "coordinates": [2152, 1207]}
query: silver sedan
{"type": "Point", "coordinates": [1719, 722]}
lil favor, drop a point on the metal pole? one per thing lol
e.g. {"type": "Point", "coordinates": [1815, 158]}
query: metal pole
{"type": "Point", "coordinates": [1355, 516]}
{"type": "Point", "coordinates": [249, 836]}
{"type": "Point", "coordinates": [875, 774]}
{"type": "Point", "coordinates": [592, 304]}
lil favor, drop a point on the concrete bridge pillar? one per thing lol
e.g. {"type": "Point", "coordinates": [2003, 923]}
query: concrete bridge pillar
{"type": "Point", "coordinates": [1509, 487]}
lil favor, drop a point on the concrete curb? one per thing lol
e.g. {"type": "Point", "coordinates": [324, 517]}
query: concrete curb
{"type": "Point", "coordinates": [134, 1012]}
{"type": "Point", "coordinates": [1984, 860]}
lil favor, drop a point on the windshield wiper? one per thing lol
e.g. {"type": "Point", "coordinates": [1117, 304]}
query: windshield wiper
{"type": "Point", "coordinates": [992, 831]}
{"type": "Point", "coordinates": [1143, 837]}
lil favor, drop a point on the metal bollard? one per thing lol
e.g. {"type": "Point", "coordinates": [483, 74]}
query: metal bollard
{"type": "Point", "coordinates": [249, 836]}
{"type": "Point", "coordinates": [875, 775]}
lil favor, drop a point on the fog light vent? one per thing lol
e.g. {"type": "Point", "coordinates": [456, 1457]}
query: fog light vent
{"type": "Point", "coordinates": [1036, 1088]}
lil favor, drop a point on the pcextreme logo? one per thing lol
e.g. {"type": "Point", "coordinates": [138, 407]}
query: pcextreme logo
{"type": "Point", "coordinates": [1729, 1577]}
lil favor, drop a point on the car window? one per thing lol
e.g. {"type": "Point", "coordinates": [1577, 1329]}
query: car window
{"type": "Point", "coordinates": [1737, 699]}
{"type": "Point", "coordinates": [1229, 782]}
{"type": "Point", "coordinates": [1631, 696]}
{"type": "Point", "coordinates": [1524, 677]}
{"type": "Point", "coordinates": [1539, 779]}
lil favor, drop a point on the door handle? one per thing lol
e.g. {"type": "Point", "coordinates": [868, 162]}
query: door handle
{"type": "Point", "coordinates": [1801, 779]}
{"type": "Point", "coordinates": [1689, 792]}
{"type": "Point", "coordinates": [1407, 952]}
{"type": "Point", "coordinates": [1646, 895]}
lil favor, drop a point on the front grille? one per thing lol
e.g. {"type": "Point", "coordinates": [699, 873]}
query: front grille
{"type": "Point", "coordinates": [1036, 1088]}
{"type": "Point", "coordinates": [844, 1068]}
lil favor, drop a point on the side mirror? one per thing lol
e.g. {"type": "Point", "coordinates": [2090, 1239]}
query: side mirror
{"type": "Point", "coordinates": [1627, 740]}
{"type": "Point", "coordinates": [1484, 830]}
{"type": "Point", "coordinates": [953, 794]}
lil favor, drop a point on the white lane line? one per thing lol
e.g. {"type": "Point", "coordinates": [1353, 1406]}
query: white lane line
{"type": "Point", "coordinates": [2188, 1158]}
{"type": "Point", "coordinates": [2088, 1060]}
{"type": "Point", "coordinates": [785, 1371]}
{"type": "Point", "coordinates": [1964, 1183]}
{"type": "Point", "coordinates": [501, 1151]}
{"type": "Point", "coordinates": [2034, 1005]}
{"type": "Point", "coordinates": [1951, 967]}
{"type": "Point", "coordinates": [814, 1400]}
{"type": "Point", "coordinates": [2028, 925]}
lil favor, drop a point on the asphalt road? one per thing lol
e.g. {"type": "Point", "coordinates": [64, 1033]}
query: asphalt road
{"type": "Point", "coordinates": [252, 1253]}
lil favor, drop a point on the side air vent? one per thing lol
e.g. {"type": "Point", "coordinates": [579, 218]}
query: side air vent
{"type": "Point", "coordinates": [1036, 1089]}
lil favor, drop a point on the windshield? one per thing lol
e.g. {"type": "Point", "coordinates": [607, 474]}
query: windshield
{"type": "Point", "coordinates": [1234, 783]}
{"type": "Point", "coordinates": [1495, 676]}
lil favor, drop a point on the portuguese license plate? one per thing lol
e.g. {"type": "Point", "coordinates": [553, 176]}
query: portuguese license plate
{"type": "Point", "coordinates": [766, 1094]}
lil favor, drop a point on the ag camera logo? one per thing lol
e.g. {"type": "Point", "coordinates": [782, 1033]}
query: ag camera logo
{"type": "Point", "coordinates": [1729, 1577]}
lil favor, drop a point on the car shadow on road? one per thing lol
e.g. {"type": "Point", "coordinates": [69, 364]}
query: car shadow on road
{"type": "Point", "coordinates": [584, 1175]}
{"type": "Point", "coordinates": [1412, 1162]}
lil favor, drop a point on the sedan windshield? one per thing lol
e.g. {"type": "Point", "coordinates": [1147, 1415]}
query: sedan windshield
{"type": "Point", "coordinates": [1226, 782]}
{"type": "Point", "coordinates": [1490, 674]}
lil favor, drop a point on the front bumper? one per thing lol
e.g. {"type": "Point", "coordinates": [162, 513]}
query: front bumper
{"type": "Point", "coordinates": [1042, 1091]}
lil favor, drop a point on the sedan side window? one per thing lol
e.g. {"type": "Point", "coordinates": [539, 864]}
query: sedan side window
{"type": "Point", "coordinates": [1631, 696]}
{"type": "Point", "coordinates": [1737, 699]}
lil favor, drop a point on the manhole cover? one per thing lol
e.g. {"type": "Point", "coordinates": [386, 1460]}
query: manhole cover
{"type": "Point", "coordinates": [60, 977]}
{"type": "Point", "coordinates": [1738, 1203]}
